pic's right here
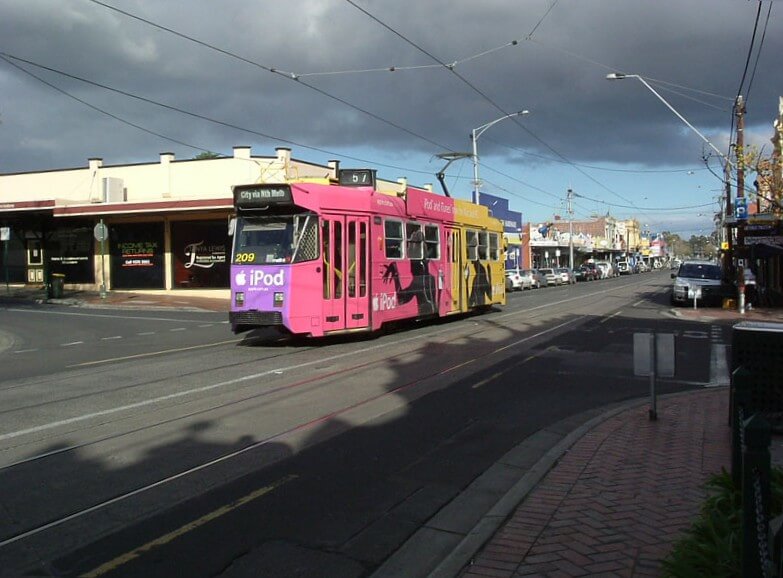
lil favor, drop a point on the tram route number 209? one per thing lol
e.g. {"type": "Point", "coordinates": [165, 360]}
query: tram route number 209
{"type": "Point", "coordinates": [245, 257]}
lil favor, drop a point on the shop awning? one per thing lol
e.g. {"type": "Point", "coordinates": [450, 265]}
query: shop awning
{"type": "Point", "coordinates": [27, 206]}
{"type": "Point", "coordinates": [766, 250]}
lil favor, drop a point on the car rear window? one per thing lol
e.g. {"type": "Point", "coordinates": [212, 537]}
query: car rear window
{"type": "Point", "coordinates": [699, 271]}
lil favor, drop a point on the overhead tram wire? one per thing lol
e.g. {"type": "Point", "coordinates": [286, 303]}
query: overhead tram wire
{"type": "Point", "coordinates": [646, 208]}
{"type": "Point", "coordinates": [758, 52]}
{"type": "Point", "coordinates": [750, 49]}
{"type": "Point", "coordinates": [595, 167]}
{"type": "Point", "coordinates": [206, 118]}
{"type": "Point", "coordinates": [294, 77]}
{"type": "Point", "coordinates": [102, 111]}
{"type": "Point", "coordinates": [747, 66]}
{"type": "Point", "coordinates": [289, 76]}
{"type": "Point", "coordinates": [274, 71]}
{"type": "Point", "coordinates": [485, 96]}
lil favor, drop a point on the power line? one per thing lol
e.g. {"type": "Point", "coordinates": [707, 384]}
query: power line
{"type": "Point", "coordinates": [750, 49]}
{"type": "Point", "coordinates": [646, 208]}
{"type": "Point", "coordinates": [758, 53]}
{"type": "Point", "coordinates": [485, 97]}
{"type": "Point", "coordinates": [595, 167]}
{"type": "Point", "coordinates": [204, 117]}
{"type": "Point", "coordinates": [273, 70]}
{"type": "Point", "coordinates": [102, 111]}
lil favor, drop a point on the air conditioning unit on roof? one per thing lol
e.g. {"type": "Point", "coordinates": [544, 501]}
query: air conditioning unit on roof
{"type": "Point", "coordinates": [113, 190]}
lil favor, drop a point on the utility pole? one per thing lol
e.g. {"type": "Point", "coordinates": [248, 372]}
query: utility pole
{"type": "Point", "coordinates": [570, 230]}
{"type": "Point", "coordinates": [728, 257]}
{"type": "Point", "coordinates": [739, 252]}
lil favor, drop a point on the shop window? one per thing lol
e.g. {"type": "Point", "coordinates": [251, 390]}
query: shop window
{"type": "Point", "coordinates": [137, 255]}
{"type": "Point", "coordinates": [199, 254]}
{"type": "Point", "coordinates": [70, 250]}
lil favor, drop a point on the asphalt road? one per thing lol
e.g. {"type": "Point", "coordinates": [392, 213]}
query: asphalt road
{"type": "Point", "coordinates": [195, 453]}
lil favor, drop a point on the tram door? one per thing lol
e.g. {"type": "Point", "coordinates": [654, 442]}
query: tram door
{"type": "Point", "coordinates": [345, 254]}
{"type": "Point", "coordinates": [454, 255]}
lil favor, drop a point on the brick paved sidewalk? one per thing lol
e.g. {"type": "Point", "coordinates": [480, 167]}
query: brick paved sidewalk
{"type": "Point", "coordinates": [617, 500]}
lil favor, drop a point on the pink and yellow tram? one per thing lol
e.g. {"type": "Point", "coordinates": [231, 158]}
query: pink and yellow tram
{"type": "Point", "coordinates": [320, 258]}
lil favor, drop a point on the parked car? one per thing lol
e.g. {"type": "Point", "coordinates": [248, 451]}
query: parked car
{"type": "Point", "coordinates": [702, 278]}
{"type": "Point", "coordinates": [516, 281]}
{"type": "Point", "coordinates": [624, 268]}
{"type": "Point", "coordinates": [537, 279]}
{"type": "Point", "coordinates": [584, 273]}
{"type": "Point", "coordinates": [566, 274]}
{"type": "Point", "coordinates": [605, 268]}
{"type": "Point", "coordinates": [552, 278]}
{"type": "Point", "coordinates": [597, 273]}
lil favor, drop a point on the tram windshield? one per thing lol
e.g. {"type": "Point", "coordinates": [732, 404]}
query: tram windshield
{"type": "Point", "coordinates": [276, 239]}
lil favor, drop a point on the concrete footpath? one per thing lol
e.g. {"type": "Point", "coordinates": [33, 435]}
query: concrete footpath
{"type": "Point", "coordinates": [605, 493]}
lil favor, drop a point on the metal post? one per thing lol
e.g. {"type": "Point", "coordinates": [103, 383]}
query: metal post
{"type": "Point", "coordinates": [739, 250]}
{"type": "Point", "coordinates": [570, 230]}
{"type": "Point", "coordinates": [755, 496]}
{"type": "Point", "coordinates": [476, 191]}
{"type": "Point", "coordinates": [103, 263]}
{"type": "Point", "coordinates": [653, 404]}
{"type": "Point", "coordinates": [474, 135]}
{"type": "Point", "coordinates": [5, 265]}
{"type": "Point", "coordinates": [739, 402]}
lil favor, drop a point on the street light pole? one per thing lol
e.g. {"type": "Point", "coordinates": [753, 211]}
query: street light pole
{"type": "Point", "coordinates": [474, 135]}
{"type": "Point", "coordinates": [570, 230]}
{"type": "Point", "coordinates": [619, 76]}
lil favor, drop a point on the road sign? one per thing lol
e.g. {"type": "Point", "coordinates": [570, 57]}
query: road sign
{"type": "Point", "coordinates": [101, 232]}
{"type": "Point", "coordinates": [741, 208]}
{"type": "Point", "coordinates": [5, 233]}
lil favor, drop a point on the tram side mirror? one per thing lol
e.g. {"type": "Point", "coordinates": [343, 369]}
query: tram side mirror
{"type": "Point", "coordinates": [232, 226]}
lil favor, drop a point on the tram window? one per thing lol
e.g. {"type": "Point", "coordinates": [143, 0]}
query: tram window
{"type": "Point", "coordinates": [361, 259]}
{"type": "Point", "coordinates": [493, 247]}
{"type": "Point", "coordinates": [471, 238]}
{"type": "Point", "coordinates": [327, 258]}
{"type": "Point", "coordinates": [305, 238]}
{"type": "Point", "coordinates": [432, 242]}
{"type": "Point", "coordinates": [352, 258]}
{"type": "Point", "coordinates": [393, 242]}
{"type": "Point", "coordinates": [338, 260]}
{"type": "Point", "coordinates": [415, 241]}
{"type": "Point", "coordinates": [482, 245]}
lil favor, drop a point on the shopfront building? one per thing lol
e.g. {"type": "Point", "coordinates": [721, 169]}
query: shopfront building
{"type": "Point", "coordinates": [165, 223]}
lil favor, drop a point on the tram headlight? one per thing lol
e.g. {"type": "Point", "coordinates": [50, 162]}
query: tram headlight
{"type": "Point", "coordinates": [278, 299]}
{"type": "Point", "coordinates": [239, 298]}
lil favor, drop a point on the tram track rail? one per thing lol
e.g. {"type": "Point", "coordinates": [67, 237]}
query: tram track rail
{"type": "Point", "coordinates": [296, 381]}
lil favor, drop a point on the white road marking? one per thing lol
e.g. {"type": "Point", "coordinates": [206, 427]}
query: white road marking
{"type": "Point", "coordinates": [111, 338]}
{"type": "Point", "coordinates": [719, 366]}
{"type": "Point", "coordinates": [71, 343]}
{"type": "Point", "coordinates": [49, 313]}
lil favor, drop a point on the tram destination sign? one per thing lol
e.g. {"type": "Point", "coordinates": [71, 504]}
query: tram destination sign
{"type": "Point", "coordinates": [253, 196]}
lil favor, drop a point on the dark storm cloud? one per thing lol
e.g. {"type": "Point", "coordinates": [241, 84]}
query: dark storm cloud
{"type": "Point", "coordinates": [558, 74]}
